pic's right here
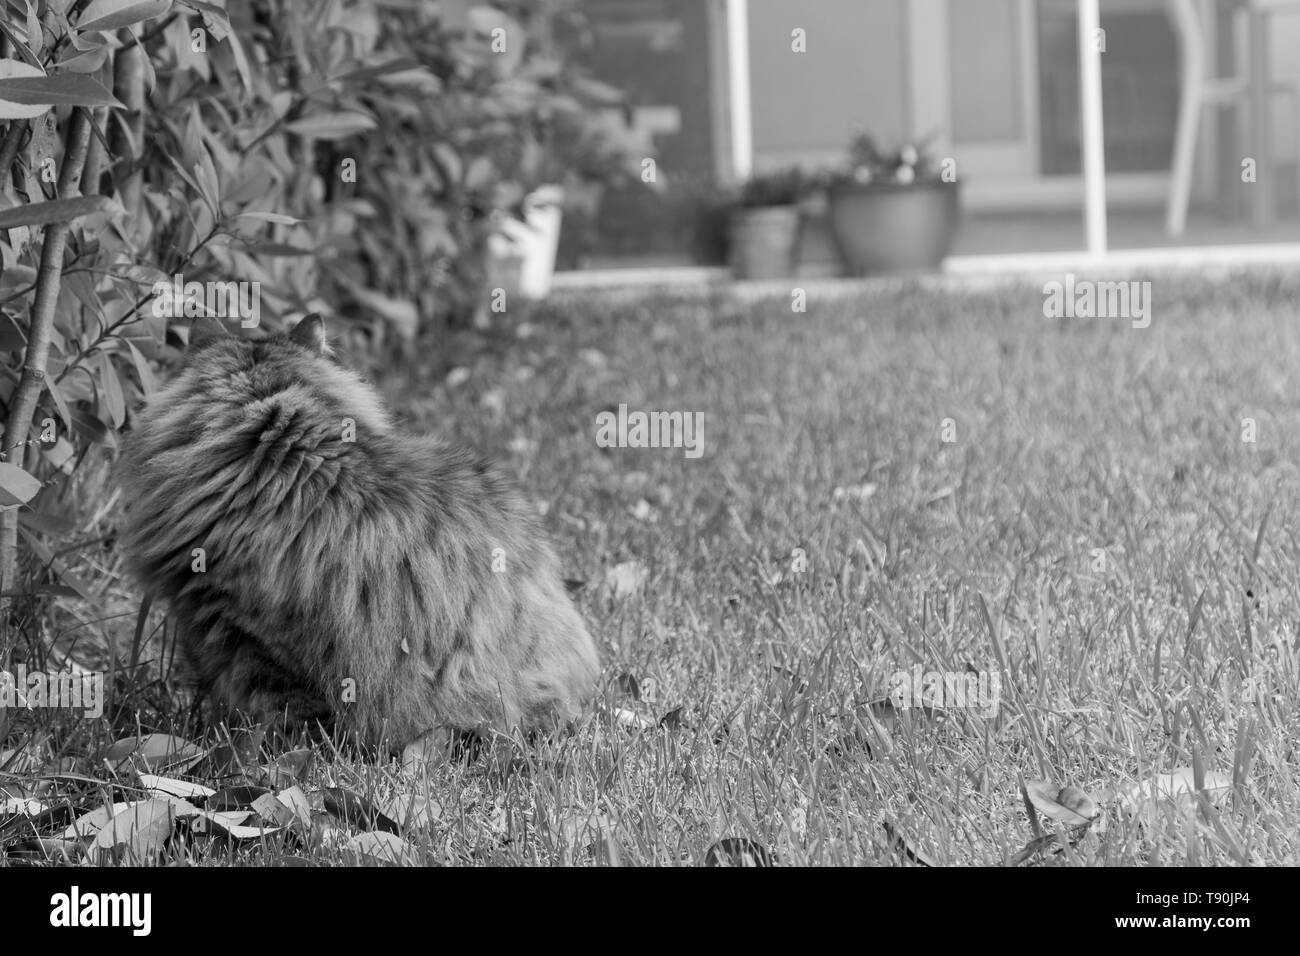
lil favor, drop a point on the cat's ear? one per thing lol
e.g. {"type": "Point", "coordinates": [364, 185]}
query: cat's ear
{"type": "Point", "coordinates": [205, 329]}
{"type": "Point", "coordinates": [310, 334]}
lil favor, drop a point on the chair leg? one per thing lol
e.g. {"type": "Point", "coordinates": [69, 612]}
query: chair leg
{"type": "Point", "coordinates": [1180, 179]}
{"type": "Point", "coordinates": [1192, 69]}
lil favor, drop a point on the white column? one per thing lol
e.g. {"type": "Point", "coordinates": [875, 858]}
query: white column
{"type": "Point", "coordinates": [1094, 152]}
{"type": "Point", "coordinates": [742, 132]}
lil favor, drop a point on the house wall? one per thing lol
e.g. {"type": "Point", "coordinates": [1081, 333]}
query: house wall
{"type": "Point", "coordinates": [853, 78]}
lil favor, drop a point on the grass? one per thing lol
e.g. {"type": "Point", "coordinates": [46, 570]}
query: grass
{"type": "Point", "coordinates": [1098, 532]}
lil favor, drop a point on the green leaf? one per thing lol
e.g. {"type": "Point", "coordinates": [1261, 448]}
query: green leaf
{"type": "Point", "coordinates": [399, 65]}
{"type": "Point", "coordinates": [89, 427]}
{"type": "Point", "coordinates": [278, 249]}
{"type": "Point", "coordinates": [35, 35]}
{"type": "Point", "coordinates": [331, 126]}
{"type": "Point", "coordinates": [58, 210]}
{"type": "Point", "coordinates": [12, 336]}
{"type": "Point", "coordinates": [10, 110]}
{"type": "Point", "coordinates": [114, 400]}
{"type": "Point", "coordinates": [88, 62]}
{"type": "Point", "coordinates": [275, 217]}
{"type": "Point", "coordinates": [112, 14]}
{"type": "Point", "coordinates": [20, 46]}
{"type": "Point", "coordinates": [62, 89]}
{"type": "Point", "coordinates": [148, 383]}
{"type": "Point", "coordinates": [17, 487]}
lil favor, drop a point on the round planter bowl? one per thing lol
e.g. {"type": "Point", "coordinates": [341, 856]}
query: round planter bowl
{"type": "Point", "coordinates": [891, 227]}
{"type": "Point", "coordinates": [763, 241]}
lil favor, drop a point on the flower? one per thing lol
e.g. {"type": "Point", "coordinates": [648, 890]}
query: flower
{"type": "Point", "coordinates": [906, 165]}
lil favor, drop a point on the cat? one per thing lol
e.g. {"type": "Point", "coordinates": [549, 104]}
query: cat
{"type": "Point", "coordinates": [323, 567]}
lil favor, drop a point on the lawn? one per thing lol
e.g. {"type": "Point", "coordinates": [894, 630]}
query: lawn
{"type": "Point", "coordinates": [907, 477]}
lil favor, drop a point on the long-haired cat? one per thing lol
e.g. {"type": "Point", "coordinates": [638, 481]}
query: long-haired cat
{"type": "Point", "coordinates": [321, 565]}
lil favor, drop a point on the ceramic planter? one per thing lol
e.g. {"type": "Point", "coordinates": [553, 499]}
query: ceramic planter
{"type": "Point", "coordinates": [893, 227]}
{"type": "Point", "coordinates": [764, 240]}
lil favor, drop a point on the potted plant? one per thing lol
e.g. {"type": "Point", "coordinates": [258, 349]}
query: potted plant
{"type": "Point", "coordinates": [892, 211]}
{"type": "Point", "coordinates": [765, 225]}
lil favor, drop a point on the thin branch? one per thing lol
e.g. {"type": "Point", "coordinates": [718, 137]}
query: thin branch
{"type": "Point", "coordinates": [48, 279]}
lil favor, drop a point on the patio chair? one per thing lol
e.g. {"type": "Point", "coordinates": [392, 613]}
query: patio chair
{"type": "Point", "coordinates": [1199, 89]}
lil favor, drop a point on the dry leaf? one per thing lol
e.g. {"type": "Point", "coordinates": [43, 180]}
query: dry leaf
{"type": "Point", "coordinates": [91, 823]}
{"type": "Point", "coordinates": [288, 768]}
{"type": "Point", "coordinates": [632, 719]}
{"type": "Point", "coordinates": [626, 579]}
{"type": "Point", "coordinates": [153, 752]}
{"type": "Point", "coordinates": [854, 492]}
{"type": "Point", "coordinates": [411, 811]}
{"type": "Point", "coordinates": [137, 834]}
{"type": "Point", "coordinates": [1178, 786]}
{"type": "Point", "coordinates": [379, 849]}
{"type": "Point", "coordinates": [171, 787]}
{"type": "Point", "coordinates": [1068, 805]}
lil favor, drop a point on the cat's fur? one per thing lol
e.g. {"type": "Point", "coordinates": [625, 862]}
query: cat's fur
{"type": "Point", "coordinates": [328, 561]}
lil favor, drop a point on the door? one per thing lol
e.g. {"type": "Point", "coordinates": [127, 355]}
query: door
{"type": "Point", "coordinates": [999, 78]}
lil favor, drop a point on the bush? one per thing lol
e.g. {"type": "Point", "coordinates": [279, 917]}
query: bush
{"type": "Point", "coordinates": [350, 157]}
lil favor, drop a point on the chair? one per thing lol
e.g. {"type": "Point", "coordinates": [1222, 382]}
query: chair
{"type": "Point", "coordinates": [1200, 89]}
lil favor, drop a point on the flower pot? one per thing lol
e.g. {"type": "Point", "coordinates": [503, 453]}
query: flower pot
{"type": "Point", "coordinates": [893, 227]}
{"type": "Point", "coordinates": [763, 241]}
{"type": "Point", "coordinates": [521, 253]}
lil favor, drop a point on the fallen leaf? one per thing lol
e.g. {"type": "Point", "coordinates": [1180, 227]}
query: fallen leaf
{"type": "Point", "coordinates": [224, 819]}
{"type": "Point", "coordinates": [171, 787]}
{"type": "Point", "coordinates": [51, 849]}
{"type": "Point", "coordinates": [234, 798]}
{"type": "Point", "coordinates": [630, 718]}
{"type": "Point", "coordinates": [854, 492]}
{"type": "Point", "coordinates": [1067, 805]}
{"type": "Point", "coordinates": [355, 810]}
{"type": "Point", "coordinates": [239, 755]}
{"type": "Point", "coordinates": [91, 823]}
{"type": "Point", "coordinates": [153, 752]}
{"type": "Point", "coordinates": [379, 849]}
{"type": "Point", "coordinates": [268, 807]}
{"type": "Point", "coordinates": [289, 768]}
{"type": "Point", "coordinates": [136, 835]}
{"type": "Point", "coordinates": [22, 806]}
{"type": "Point", "coordinates": [626, 579]}
{"type": "Point", "coordinates": [222, 824]}
{"type": "Point", "coordinates": [411, 811]}
{"type": "Point", "coordinates": [296, 800]}
{"type": "Point", "coordinates": [1178, 786]}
